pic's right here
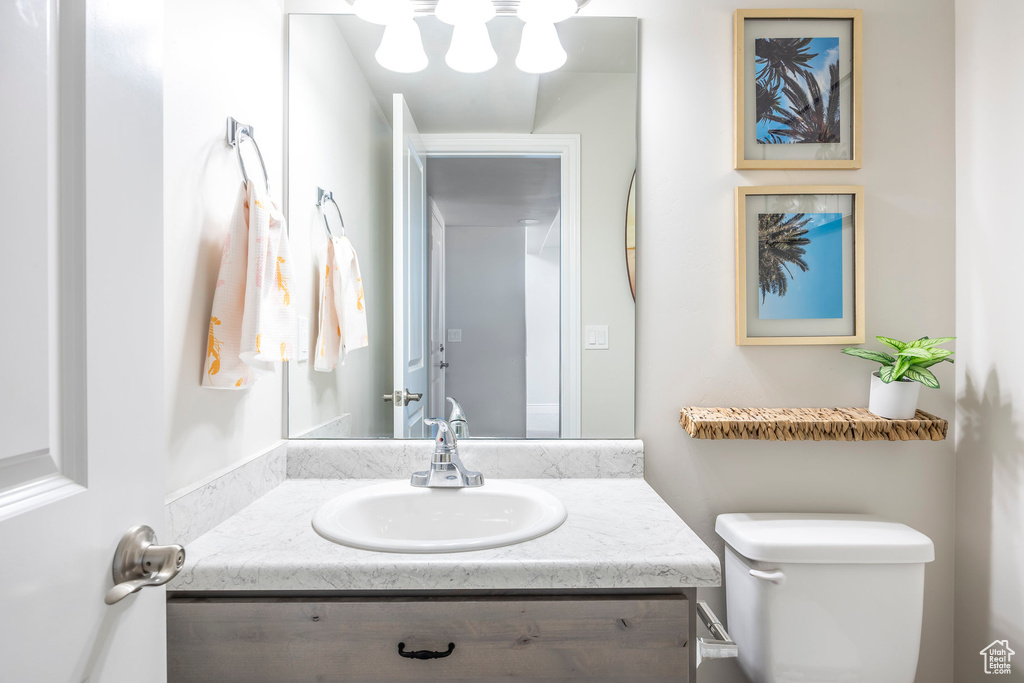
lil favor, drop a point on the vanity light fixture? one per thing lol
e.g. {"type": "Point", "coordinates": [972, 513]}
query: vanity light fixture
{"type": "Point", "coordinates": [540, 50]}
{"type": "Point", "coordinates": [471, 51]}
{"type": "Point", "coordinates": [401, 48]}
{"type": "Point", "coordinates": [546, 11]}
{"type": "Point", "coordinates": [458, 12]}
{"type": "Point", "coordinates": [383, 12]}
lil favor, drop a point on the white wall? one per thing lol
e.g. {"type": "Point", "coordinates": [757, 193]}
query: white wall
{"type": "Point", "coordinates": [485, 297]}
{"type": "Point", "coordinates": [686, 353]}
{"type": "Point", "coordinates": [339, 140]}
{"type": "Point", "coordinates": [990, 368]}
{"type": "Point", "coordinates": [223, 58]}
{"type": "Point", "coordinates": [601, 108]}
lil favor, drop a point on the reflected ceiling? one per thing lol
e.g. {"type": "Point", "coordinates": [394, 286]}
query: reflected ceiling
{"type": "Point", "coordinates": [502, 100]}
{"type": "Point", "coordinates": [495, 193]}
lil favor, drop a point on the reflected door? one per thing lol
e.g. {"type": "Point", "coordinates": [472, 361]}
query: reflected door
{"type": "Point", "coordinates": [436, 405]}
{"type": "Point", "coordinates": [411, 353]}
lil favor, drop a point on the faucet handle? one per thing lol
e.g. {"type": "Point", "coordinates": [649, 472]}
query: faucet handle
{"type": "Point", "coordinates": [445, 435]}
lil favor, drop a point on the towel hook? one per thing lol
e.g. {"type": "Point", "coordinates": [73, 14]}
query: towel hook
{"type": "Point", "coordinates": [322, 197]}
{"type": "Point", "coordinates": [237, 134]}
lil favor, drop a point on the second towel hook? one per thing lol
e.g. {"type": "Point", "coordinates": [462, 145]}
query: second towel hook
{"type": "Point", "coordinates": [322, 197]}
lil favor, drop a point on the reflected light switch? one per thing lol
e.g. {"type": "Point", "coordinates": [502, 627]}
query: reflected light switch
{"type": "Point", "coordinates": [595, 337]}
{"type": "Point", "coordinates": [455, 335]}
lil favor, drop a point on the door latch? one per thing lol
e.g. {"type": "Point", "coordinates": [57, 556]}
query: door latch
{"type": "Point", "coordinates": [402, 397]}
{"type": "Point", "coordinates": [139, 562]}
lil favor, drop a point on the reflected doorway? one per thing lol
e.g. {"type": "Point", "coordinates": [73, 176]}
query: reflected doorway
{"type": "Point", "coordinates": [494, 292]}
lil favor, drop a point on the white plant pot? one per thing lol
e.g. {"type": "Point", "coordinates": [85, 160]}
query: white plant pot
{"type": "Point", "coordinates": [893, 401]}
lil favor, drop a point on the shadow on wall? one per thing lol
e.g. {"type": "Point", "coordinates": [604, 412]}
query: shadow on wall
{"type": "Point", "coordinates": [990, 474]}
{"type": "Point", "coordinates": [213, 213]}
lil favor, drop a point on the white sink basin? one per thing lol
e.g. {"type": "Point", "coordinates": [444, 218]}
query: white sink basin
{"type": "Point", "coordinates": [399, 518]}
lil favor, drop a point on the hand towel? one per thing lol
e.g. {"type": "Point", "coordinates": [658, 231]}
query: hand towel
{"type": "Point", "coordinates": [252, 324]}
{"type": "Point", "coordinates": [341, 326]}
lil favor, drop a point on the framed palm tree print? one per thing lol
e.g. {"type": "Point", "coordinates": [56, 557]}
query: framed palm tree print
{"type": "Point", "coordinates": [797, 89]}
{"type": "Point", "coordinates": [800, 265]}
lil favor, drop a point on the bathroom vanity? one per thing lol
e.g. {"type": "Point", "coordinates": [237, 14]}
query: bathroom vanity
{"type": "Point", "coordinates": [531, 637]}
{"type": "Point", "coordinates": [609, 594]}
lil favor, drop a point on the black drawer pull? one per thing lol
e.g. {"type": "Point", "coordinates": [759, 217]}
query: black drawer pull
{"type": "Point", "coordinates": [425, 654]}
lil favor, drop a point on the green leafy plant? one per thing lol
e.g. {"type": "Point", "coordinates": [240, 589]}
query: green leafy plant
{"type": "Point", "coordinates": [911, 361]}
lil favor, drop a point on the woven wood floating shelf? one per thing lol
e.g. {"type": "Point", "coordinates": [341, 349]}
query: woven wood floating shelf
{"type": "Point", "coordinates": [808, 424]}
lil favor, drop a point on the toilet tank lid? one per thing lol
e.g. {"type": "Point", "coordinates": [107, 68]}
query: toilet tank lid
{"type": "Point", "coordinates": [823, 539]}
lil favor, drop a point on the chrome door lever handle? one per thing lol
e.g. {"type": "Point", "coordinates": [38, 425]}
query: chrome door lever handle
{"type": "Point", "coordinates": [139, 562]}
{"type": "Point", "coordinates": [402, 397]}
{"type": "Point", "coordinates": [123, 590]}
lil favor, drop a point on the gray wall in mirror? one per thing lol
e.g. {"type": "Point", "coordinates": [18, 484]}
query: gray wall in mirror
{"type": "Point", "coordinates": [340, 139]}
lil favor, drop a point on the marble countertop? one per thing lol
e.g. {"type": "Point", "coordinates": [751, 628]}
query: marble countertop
{"type": "Point", "coordinates": [619, 534]}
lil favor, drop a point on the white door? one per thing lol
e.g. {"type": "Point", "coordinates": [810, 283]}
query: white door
{"type": "Point", "coordinates": [81, 400]}
{"type": "Point", "coordinates": [410, 270]}
{"type": "Point", "coordinates": [436, 405]}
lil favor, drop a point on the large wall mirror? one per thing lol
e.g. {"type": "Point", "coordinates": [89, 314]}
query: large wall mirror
{"type": "Point", "coordinates": [486, 212]}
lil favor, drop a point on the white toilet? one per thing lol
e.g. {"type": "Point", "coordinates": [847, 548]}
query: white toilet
{"type": "Point", "coordinates": [815, 598]}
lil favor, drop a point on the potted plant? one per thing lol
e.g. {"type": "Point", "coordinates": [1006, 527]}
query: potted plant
{"type": "Point", "coordinates": [895, 386]}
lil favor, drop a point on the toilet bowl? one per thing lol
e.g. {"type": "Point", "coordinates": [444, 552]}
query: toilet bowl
{"type": "Point", "coordinates": [816, 598]}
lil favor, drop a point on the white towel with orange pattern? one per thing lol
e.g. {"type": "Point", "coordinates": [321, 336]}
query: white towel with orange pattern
{"type": "Point", "coordinates": [341, 326]}
{"type": "Point", "coordinates": [252, 324]}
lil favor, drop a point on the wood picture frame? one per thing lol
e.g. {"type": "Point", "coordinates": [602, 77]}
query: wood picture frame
{"type": "Point", "coordinates": [847, 152]}
{"type": "Point", "coordinates": [833, 297]}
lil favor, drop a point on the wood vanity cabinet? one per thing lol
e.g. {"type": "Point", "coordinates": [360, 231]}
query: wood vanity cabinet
{"type": "Point", "coordinates": [529, 638]}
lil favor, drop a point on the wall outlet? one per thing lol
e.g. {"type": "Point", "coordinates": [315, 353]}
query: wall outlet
{"type": "Point", "coordinates": [595, 338]}
{"type": "Point", "coordinates": [455, 335]}
{"type": "Point", "coordinates": [303, 339]}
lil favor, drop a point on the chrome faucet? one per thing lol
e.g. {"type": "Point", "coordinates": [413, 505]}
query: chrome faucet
{"type": "Point", "coordinates": [457, 420]}
{"type": "Point", "coordinates": [446, 468]}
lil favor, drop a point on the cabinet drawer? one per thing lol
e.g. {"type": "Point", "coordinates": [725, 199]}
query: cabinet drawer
{"type": "Point", "coordinates": [540, 639]}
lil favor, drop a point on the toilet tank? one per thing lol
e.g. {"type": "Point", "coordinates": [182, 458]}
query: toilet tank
{"type": "Point", "coordinates": [824, 598]}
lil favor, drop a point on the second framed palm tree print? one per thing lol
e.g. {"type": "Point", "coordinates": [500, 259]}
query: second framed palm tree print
{"type": "Point", "coordinates": [797, 89]}
{"type": "Point", "coordinates": [800, 265]}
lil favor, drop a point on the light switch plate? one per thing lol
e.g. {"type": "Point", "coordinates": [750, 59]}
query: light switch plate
{"type": "Point", "coordinates": [595, 338]}
{"type": "Point", "coordinates": [303, 339]}
{"type": "Point", "coordinates": [455, 335]}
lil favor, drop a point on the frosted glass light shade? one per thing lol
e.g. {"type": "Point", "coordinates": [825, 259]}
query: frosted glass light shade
{"type": "Point", "coordinates": [540, 50]}
{"type": "Point", "coordinates": [546, 11]}
{"type": "Point", "coordinates": [401, 48]}
{"type": "Point", "coordinates": [383, 12]}
{"type": "Point", "coordinates": [458, 12]}
{"type": "Point", "coordinates": [471, 51]}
